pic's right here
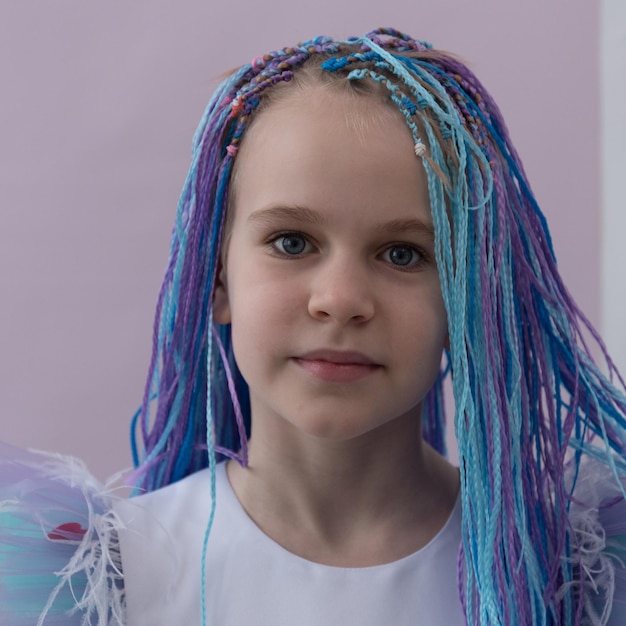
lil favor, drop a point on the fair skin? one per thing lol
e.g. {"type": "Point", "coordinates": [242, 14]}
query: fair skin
{"type": "Point", "coordinates": [338, 325]}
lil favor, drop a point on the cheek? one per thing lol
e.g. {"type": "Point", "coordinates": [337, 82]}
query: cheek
{"type": "Point", "coordinates": [425, 335]}
{"type": "Point", "coordinates": [259, 289]}
{"type": "Point", "coordinates": [256, 302]}
{"type": "Point", "coordinates": [263, 316]}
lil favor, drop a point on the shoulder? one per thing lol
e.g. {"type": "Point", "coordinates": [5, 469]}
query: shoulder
{"type": "Point", "coordinates": [179, 510]}
{"type": "Point", "coordinates": [187, 496]}
{"type": "Point", "coordinates": [161, 547]}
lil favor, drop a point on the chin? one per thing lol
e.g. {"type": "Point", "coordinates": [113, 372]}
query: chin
{"type": "Point", "coordinates": [337, 431]}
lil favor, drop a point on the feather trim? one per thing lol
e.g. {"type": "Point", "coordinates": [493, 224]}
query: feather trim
{"type": "Point", "coordinates": [598, 521]}
{"type": "Point", "coordinates": [59, 551]}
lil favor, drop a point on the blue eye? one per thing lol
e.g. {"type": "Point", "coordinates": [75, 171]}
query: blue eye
{"type": "Point", "coordinates": [291, 244]}
{"type": "Point", "coordinates": [402, 255]}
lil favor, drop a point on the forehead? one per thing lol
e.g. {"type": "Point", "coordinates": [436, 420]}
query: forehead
{"type": "Point", "coordinates": [328, 107]}
{"type": "Point", "coordinates": [318, 145]}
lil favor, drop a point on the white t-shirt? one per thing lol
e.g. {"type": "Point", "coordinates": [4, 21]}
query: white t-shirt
{"type": "Point", "coordinates": [253, 581]}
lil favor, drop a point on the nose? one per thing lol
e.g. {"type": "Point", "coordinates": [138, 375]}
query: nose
{"type": "Point", "coordinates": [341, 291]}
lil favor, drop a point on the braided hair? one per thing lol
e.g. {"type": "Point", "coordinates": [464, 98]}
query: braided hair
{"type": "Point", "coordinates": [530, 403]}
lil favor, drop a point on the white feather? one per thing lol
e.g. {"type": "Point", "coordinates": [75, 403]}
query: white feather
{"type": "Point", "coordinates": [39, 491]}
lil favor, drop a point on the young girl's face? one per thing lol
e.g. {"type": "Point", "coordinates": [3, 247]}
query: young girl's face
{"type": "Point", "coordinates": [329, 280]}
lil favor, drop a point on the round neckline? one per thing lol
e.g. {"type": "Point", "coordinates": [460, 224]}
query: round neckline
{"type": "Point", "coordinates": [251, 527]}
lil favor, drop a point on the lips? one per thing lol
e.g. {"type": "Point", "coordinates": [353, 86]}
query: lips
{"type": "Point", "coordinates": [337, 366]}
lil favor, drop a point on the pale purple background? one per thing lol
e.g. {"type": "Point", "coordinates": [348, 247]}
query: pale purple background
{"type": "Point", "coordinates": [99, 103]}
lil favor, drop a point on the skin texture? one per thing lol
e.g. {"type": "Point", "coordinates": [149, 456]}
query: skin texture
{"type": "Point", "coordinates": [338, 324]}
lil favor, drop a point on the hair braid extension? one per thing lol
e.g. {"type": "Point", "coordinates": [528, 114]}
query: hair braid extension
{"type": "Point", "coordinates": [530, 403]}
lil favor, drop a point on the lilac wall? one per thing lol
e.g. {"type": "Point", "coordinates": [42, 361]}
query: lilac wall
{"type": "Point", "coordinates": [98, 107]}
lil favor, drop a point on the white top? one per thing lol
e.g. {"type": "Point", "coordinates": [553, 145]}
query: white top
{"type": "Point", "coordinates": [252, 581]}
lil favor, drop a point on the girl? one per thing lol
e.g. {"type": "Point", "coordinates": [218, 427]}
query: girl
{"type": "Point", "coordinates": [354, 210]}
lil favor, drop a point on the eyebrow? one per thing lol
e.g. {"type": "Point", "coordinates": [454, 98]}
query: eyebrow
{"type": "Point", "coordinates": [308, 216]}
{"type": "Point", "coordinates": [411, 225]}
{"type": "Point", "coordinates": [273, 214]}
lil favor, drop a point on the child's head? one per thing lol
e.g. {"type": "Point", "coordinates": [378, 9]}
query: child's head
{"type": "Point", "coordinates": [374, 93]}
{"type": "Point", "coordinates": [329, 271]}
{"type": "Point", "coordinates": [525, 388]}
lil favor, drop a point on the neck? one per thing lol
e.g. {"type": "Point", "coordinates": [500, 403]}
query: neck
{"type": "Point", "coordinates": [325, 500]}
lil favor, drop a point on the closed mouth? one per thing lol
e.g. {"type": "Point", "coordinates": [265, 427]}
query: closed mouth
{"type": "Point", "coordinates": [338, 357]}
{"type": "Point", "coordinates": [331, 366]}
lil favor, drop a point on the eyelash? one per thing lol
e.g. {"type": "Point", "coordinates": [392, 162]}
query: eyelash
{"type": "Point", "coordinates": [413, 266]}
{"type": "Point", "coordinates": [273, 242]}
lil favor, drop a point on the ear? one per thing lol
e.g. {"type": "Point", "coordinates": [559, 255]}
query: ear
{"type": "Point", "coordinates": [221, 304]}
